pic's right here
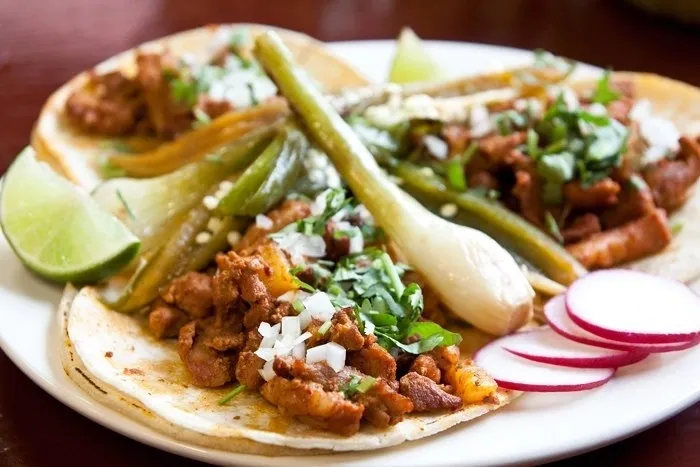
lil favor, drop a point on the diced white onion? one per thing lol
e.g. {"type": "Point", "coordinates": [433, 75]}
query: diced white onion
{"type": "Point", "coordinates": [299, 245]}
{"type": "Point", "coordinates": [304, 337]}
{"type": "Point", "coordinates": [369, 328]}
{"type": "Point", "coordinates": [319, 204]}
{"type": "Point", "coordinates": [304, 318]}
{"type": "Point", "coordinates": [331, 353]}
{"type": "Point", "coordinates": [287, 297]}
{"type": "Point", "coordinates": [357, 243]}
{"type": "Point", "coordinates": [291, 326]}
{"type": "Point", "coordinates": [265, 329]}
{"type": "Point", "coordinates": [268, 342]}
{"type": "Point", "coordinates": [266, 354]}
{"type": "Point", "coordinates": [267, 371]}
{"type": "Point", "coordinates": [436, 147]}
{"type": "Point", "coordinates": [299, 351]}
{"type": "Point", "coordinates": [320, 306]}
{"type": "Point", "coordinates": [264, 222]}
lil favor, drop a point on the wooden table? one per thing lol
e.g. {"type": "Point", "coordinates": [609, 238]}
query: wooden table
{"type": "Point", "coordinates": [43, 43]}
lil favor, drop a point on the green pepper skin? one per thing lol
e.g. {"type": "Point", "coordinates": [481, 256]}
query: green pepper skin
{"type": "Point", "coordinates": [283, 176]}
{"type": "Point", "coordinates": [507, 228]}
{"type": "Point", "coordinates": [267, 180]}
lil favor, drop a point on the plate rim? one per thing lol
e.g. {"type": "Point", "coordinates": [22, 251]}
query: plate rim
{"type": "Point", "coordinates": [79, 402]}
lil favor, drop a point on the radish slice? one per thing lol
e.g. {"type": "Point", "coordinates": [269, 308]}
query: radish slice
{"type": "Point", "coordinates": [513, 372]}
{"type": "Point", "coordinates": [559, 320]}
{"type": "Point", "coordinates": [634, 307]}
{"type": "Point", "coordinates": [546, 346]}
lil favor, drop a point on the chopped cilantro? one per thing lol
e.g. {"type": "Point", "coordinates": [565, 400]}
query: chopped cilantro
{"type": "Point", "coordinates": [455, 174]}
{"type": "Point", "coordinates": [126, 205]}
{"type": "Point", "coordinates": [324, 328]}
{"type": "Point", "coordinates": [357, 385]}
{"type": "Point", "coordinates": [676, 228]}
{"type": "Point", "coordinates": [303, 285]}
{"type": "Point", "coordinates": [203, 119]}
{"type": "Point", "coordinates": [553, 227]}
{"type": "Point", "coordinates": [184, 91]}
{"type": "Point", "coordinates": [298, 305]}
{"type": "Point", "coordinates": [469, 152]}
{"type": "Point", "coordinates": [604, 93]}
{"type": "Point", "coordinates": [253, 98]}
{"type": "Point", "coordinates": [533, 140]}
{"type": "Point", "coordinates": [557, 167]}
{"type": "Point", "coordinates": [109, 170]}
{"type": "Point", "coordinates": [236, 391]}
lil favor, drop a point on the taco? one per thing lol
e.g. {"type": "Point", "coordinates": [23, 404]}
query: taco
{"type": "Point", "coordinates": [149, 102]}
{"type": "Point", "coordinates": [314, 371]}
{"type": "Point", "coordinates": [607, 168]}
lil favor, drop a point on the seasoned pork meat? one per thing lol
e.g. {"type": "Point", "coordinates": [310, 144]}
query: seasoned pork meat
{"type": "Point", "coordinates": [191, 293]}
{"type": "Point", "coordinates": [581, 227]}
{"type": "Point", "coordinates": [374, 360]}
{"type": "Point", "coordinates": [670, 180]}
{"type": "Point", "coordinates": [312, 404]}
{"type": "Point", "coordinates": [165, 320]}
{"type": "Point", "coordinates": [109, 104]}
{"type": "Point", "coordinates": [426, 366]}
{"type": "Point", "coordinates": [601, 194]}
{"type": "Point", "coordinates": [637, 239]}
{"type": "Point", "coordinates": [168, 117]}
{"type": "Point", "coordinates": [426, 394]}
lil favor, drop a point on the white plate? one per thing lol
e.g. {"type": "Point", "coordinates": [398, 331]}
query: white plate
{"type": "Point", "coordinates": [536, 428]}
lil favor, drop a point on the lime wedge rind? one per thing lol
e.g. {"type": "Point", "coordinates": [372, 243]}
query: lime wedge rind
{"type": "Point", "coordinates": [56, 230]}
{"type": "Point", "coordinates": [412, 63]}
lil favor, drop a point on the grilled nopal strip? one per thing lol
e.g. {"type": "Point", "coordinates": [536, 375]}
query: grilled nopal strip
{"type": "Point", "coordinates": [473, 275]}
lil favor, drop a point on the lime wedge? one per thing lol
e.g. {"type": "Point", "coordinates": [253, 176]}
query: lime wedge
{"type": "Point", "coordinates": [58, 231]}
{"type": "Point", "coordinates": [412, 62]}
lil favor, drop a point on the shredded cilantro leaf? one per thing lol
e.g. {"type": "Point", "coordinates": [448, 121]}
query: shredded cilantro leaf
{"type": "Point", "coordinates": [127, 208]}
{"type": "Point", "coordinates": [455, 174]}
{"type": "Point", "coordinates": [604, 93]}
{"type": "Point", "coordinates": [553, 227]}
{"type": "Point", "coordinates": [236, 391]}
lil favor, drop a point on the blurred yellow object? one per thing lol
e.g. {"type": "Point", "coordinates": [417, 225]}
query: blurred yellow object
{"type": "Point", "coordinates": [471, 383]}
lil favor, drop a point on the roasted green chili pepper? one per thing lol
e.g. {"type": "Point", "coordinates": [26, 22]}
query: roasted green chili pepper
{"type": "Point", "coordinates": [269, 178]}
{"type": "Point", "coordinates": [509, 229]}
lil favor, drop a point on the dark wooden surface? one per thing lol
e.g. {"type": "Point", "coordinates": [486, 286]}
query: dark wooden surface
{"type": "Point", "coordinates": [45, 42]}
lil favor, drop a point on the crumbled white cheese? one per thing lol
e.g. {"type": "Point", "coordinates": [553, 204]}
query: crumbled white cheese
{"type": "Point", "coordinates": [202, 238]}
{"type": "Point", "coordinates": [233, 237]}
{"type": "Point", "coordinates": [448, 210]}
{"type": "Point", "coordinates": [214, 224]}
{"type": "Point", "coordinates": [660, 134]}
{"type": "Point", "coordinates": [210, 202]}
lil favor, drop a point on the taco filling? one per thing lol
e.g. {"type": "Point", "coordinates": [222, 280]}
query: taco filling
{"type": "Point", "coordinates": [167, 95]}
{"type": "Point", "coordinates": [595, 170]}
{"type": "Point", "coordinates": [309, 309]}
